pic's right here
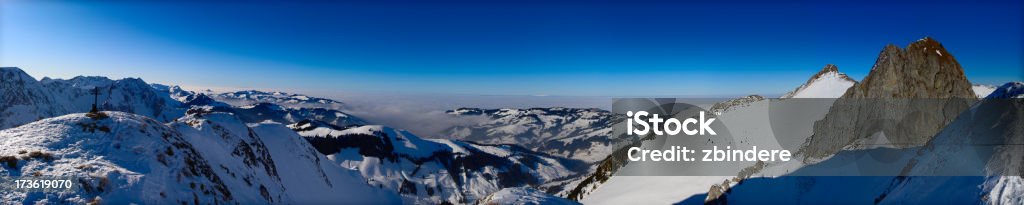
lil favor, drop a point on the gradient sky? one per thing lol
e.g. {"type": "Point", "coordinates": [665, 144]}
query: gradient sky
{"type": "Point", "coordinates": [581, 48]}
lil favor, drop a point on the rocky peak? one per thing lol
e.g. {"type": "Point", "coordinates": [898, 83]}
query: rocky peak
{"type": "Point", "coordinates": [828, 69]}
{"type": "Point", "coordinates": [909, 96]}
{"type": "Point", "coordinates": [923, 70]}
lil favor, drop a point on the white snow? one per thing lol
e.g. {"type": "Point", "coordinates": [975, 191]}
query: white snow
{"type": "Point", "coordinates": [215, 159]}
{"type": "Point", "coordinates": [983, 90]}
{"type": "Point", "coordinates": [524, 196]}
{"type": "Point", "coordinates": [828, 85]}
{"type": "Point", "coordinates": [651, 189]}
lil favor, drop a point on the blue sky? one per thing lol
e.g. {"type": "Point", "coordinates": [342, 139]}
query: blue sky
{"type": "Point", "coordinates": [580, 48]}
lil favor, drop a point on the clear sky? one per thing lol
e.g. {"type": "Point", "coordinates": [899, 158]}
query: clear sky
{"type": "Point", "coordinates": [579, 48]}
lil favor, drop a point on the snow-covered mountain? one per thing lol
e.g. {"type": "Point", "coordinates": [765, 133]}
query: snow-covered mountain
{"type": "Point", "coordinates": [982, 90]}
{"type": "Point", "coordinates": [205, 157]}
{"type": "Point", "coordinates": [275, 113]}
{"type": "Point", "coordinates": [433, 170]}
{"type": "Point", "coordinates": [897, 74]}
{"type": "Point", "coordinates": [176, 92]}
{"type": "Point", "coordinates": [827, 83]}
{"type": "Point", "coordinates": [26, 100]}
{"type": "Point", "coordinates": [269, 112]}
{"type": "Point", "coordinates": [292, 112]}
{"type": "Point", "coordinates": [583, 134]}
{"type": "Point", "coordinates": [23, 99]}
{"type": "Point", "coordinates": [924, 144]}
{"type": "Point", "coordinates": [248, 97]}
{"type": "Point", "coordinates": [990, 174]}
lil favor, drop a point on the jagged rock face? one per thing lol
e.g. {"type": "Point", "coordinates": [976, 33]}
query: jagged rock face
{"type": "Point", "coordinates": [827, 83]}
{"type": "Point", "coordinates": [923, 70]}
{"type": "Point", "coordinates": [909, 95]}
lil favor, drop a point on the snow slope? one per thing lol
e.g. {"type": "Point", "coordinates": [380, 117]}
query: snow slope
{"type": "Point", "coordinates": [205, 157]}
{"type": "Point", "coordinates": [524, 196]}
{"type": "Point", "coordinates": [967, 174]}
{"type": "Point", "coordinates": [983, 90]}
{"type": "Point", "coordinates": [827, 83]}
{"type": "Point", "coordinates": [749, 121]}
{"type": "Point", "coordinates": [433, 170]}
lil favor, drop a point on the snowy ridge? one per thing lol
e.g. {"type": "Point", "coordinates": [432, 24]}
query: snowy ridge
{"type": "Point", "coordinates": [26, 100]}
{"type": "Point", "coordinates": [1008, 90]}
{"type": "Point", "coordinates": [434, 170]}
{"type": "Point", "coordinates": [124, 158]}
{"type": "Point", "coordinates": [262, 112]}
{"type": "Point", "coordinates": [176, 92]}
{"type": "Point", "coordinates": [247, 97]}
{"type": "Point", "coordinates": [827, 83]}
{"type": "Point", "coordinates": [575, 133]}
{"type": "Point", "coordinates": [23, 99]}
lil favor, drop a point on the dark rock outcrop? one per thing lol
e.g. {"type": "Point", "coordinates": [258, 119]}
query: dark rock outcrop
{"type": "Point", "coordinates": [909, 95]}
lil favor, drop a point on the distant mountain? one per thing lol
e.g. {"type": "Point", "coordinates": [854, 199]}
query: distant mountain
{"type": "Point", "coordinates": [982, 90]}
{"type": "Point", "coordinates": [728, 105]}
{"type": "Point", "coordinates": [248, 97]}
{"type": "Point", "coordinates": [827, 83]}
{"type": "Point", "coordinates": [26, 100]}
{"type": "Point", "coordinates": [583, 134]}
{"type": "Point", "coordinates": [433, 171]}
{"type": "Point", "coordinates": [264, 112]}
{"type": "Point", "coordinates": [176, 92]}
{"type": "Point", "coordinates": [205, 157]}
{"type": "Point", "coordinates": [261, 112]}
{"type": "Point", "coordinates": [23, 99]}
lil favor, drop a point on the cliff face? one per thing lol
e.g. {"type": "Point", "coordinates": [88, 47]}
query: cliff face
{"type": "Point", "coordinates": [909, 95]}
{"type": "Point", "coordinates": [923, 70]}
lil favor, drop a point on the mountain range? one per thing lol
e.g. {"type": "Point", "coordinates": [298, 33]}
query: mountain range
{"type": "Point", "coordinates": [152, 143]}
